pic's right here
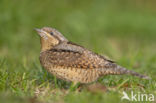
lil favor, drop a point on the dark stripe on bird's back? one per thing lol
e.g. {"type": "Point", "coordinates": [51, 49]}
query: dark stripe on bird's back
{"type": "Point", "coordinates": [69, 42]}
{"type": "Point", "coordinates": [63, 50]}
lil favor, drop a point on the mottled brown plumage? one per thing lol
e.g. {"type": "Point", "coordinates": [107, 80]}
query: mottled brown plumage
{"type": "Point", "coordinates": [72, 62]}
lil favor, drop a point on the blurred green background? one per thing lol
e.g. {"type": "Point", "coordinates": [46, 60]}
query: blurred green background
{"type": "Point", "coordinates": [124, 30]}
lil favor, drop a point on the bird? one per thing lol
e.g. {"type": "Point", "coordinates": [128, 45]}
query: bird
{"type": "Point", "coordinates": [71, 62]}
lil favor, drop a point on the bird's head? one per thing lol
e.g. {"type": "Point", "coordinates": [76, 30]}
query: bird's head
{"type": "Point", "coordinates": [50, 37]}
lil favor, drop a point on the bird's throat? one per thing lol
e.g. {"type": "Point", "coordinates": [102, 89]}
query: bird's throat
{"type": "Point", "coordinates": [45, 45]}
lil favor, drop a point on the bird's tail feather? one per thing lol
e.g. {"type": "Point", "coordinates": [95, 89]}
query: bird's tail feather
{"type": "Point", "coordinates": [118, 70]}
{"type": "Point", "coordinates": [130, 72]}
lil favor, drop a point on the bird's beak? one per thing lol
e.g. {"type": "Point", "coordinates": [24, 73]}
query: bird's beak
{"type": "Point", "coordinates": [42, 33]}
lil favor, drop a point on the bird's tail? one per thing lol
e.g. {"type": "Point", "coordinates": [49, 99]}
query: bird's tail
{"type": "Point", "coordinates": [130, 72]}
{"type": "Point", "coordinates": [118, 70]}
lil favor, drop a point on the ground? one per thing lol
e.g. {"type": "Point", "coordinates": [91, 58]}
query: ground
{"type": "Point", "coordinates": [123, 30]}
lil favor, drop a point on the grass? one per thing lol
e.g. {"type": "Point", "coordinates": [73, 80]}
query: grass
{"type": "Point", "coordinates": [123, 30]}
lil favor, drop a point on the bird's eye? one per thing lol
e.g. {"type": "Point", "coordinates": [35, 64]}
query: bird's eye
{"type": "Point", "coordinates": [51, 33]}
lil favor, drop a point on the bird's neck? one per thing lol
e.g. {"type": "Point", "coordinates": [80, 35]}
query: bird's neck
{"type": "Point", "coordinates": [45, 45]}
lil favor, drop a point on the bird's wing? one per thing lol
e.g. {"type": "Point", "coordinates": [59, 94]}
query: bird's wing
{"type": "Point", "coordinates": [69, 55]}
